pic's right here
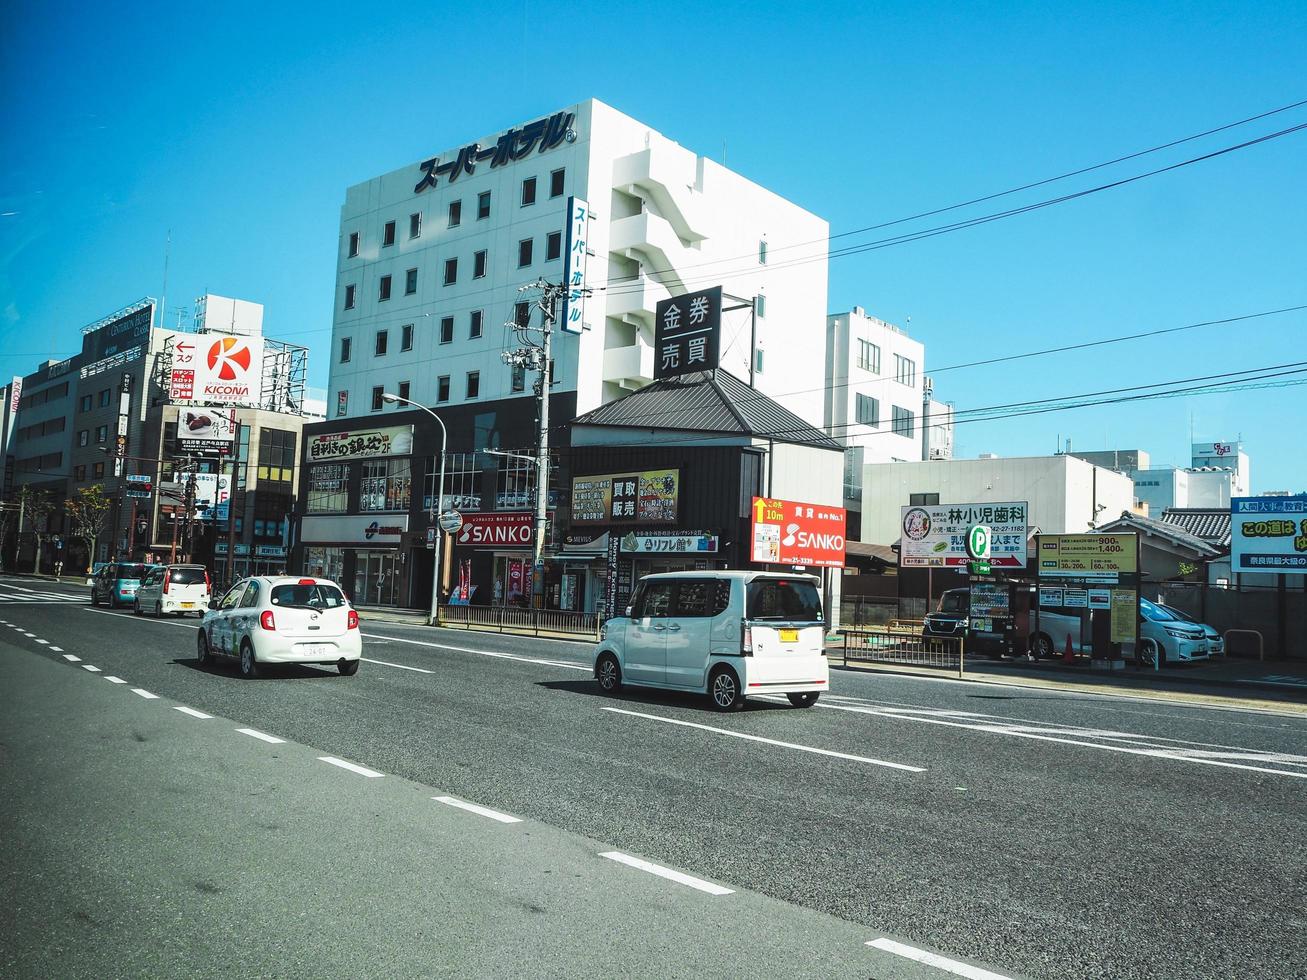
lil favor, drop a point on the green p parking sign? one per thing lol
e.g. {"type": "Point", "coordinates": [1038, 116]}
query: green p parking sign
{"type": "Point", "coordinates": [978, 537]}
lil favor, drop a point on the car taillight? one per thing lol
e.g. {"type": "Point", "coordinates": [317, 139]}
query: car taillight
{"type": "Point", "coordinates": [266, 620]}
{"type": "Point", "coordinates": [352, 620]}
{"type": "Point", "coordinates": [167, 576]}
{"type": "Point", "coordinates": [746, 640]}
{"type": "Point", "coordinates": [207, 584]}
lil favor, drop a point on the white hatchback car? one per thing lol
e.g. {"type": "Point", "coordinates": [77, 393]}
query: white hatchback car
{"type": "Point", "coordinates": [176, 589]}
{"type": "Point", "coordinates": [282, 620]}
{"type": "Point", "coordinates": [728, 634]}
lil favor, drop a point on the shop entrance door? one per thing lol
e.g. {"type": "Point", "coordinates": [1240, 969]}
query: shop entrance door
{"type": "Point", "coordinates": [376, 578]}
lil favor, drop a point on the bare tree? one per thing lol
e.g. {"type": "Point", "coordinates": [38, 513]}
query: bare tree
{"type": "Point", "coordinates": [89, 509]}
{"type": "Point", "coordinates": [36, 506]}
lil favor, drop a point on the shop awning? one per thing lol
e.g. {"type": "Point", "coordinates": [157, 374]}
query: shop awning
{"type": "Point", "coordinates": [591, 549]}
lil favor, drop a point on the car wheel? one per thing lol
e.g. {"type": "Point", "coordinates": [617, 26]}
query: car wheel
{"type": "Point", "coordinates": [1043, 647]}
{"type": "Point", "coordinates": [136, 608]}
{"type": "Point", "coordinates": [609, 674]}
{"type": "Point", "coordinates": [202, 655]}
{"type": "Point", "coordinates": [1161, 654]}
{"type": "Point", "coordinates": [249, 665]}
{"type": "Point", "coordinates": [347, 668]}
{"type": "Point", "coordinates": [158, 611]}
{"type": "Point", "coordinates": [724, 689]}
{"type": "Point", "coordinates": [94, 600]}
{"type": "Point", "coordinates": [805, 700]}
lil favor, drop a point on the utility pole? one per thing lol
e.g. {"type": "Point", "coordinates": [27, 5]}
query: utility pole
{"type": "Point", "coordinates": [231, 505]}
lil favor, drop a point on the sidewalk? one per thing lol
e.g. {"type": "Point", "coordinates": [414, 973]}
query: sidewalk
{"type": "Point", "coordinates": [389, 614]}
{"type": "Point", "coordinates": [68, 578]}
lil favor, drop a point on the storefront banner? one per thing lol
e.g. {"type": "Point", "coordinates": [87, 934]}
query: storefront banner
{"type": "Point", "coordinates": [1088, 557]}
{"type": "Point", "coordinates": [1269, 534]}
{"type": "Point", "coordinates": [670, 543]}
{"type": "Point", "coordinates": [354, 529]}
{"type": "Point", "coordinates": [789, 532]}
{"type": "Point", "coordinates": [499, 529]}
{"type": "Point", "coordinates": [389, 440]}
{"type": "Point", "coordinates": [648, 497]}
{"type": "Point", "coordinates": [935, 535]}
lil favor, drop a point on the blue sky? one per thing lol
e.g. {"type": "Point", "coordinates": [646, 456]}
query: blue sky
{"type": "Point", "coordinates": [238, 127]}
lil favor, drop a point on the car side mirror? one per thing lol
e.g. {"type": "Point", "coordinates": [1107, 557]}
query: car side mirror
{"type": "Point", "coordinates": [628, 611]}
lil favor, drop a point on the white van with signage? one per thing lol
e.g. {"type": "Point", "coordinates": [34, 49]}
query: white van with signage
{"type": "Point", "coordinates": [728, 634]}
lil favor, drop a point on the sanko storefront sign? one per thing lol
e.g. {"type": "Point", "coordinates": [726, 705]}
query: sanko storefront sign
{"type": "Point", "coordinates": [354, 529]}
{"type": "Point", "coordinates": [499, 529]}
{"type": "Point", "coordinates": [386, 440]}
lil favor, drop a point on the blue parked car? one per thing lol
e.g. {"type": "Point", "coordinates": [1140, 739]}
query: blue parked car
{"type": "Point", "coordinates": [115, 583]}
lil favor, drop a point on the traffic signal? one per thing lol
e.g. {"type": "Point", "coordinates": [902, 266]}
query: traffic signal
{"type": "Point", "coordinates": [142, 527]}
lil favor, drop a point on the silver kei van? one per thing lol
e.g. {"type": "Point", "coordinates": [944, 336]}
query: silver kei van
{"type": "Point", "coordinates": [728, 634]}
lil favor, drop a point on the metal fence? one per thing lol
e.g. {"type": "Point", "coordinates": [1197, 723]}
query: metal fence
{"type": "Point", "coordinates": [527, 622]}
{"type": "Point", "coordinates": [901, 642]}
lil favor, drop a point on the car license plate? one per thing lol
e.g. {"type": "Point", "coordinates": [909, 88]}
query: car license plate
{"type": "Point", "coordinates": [188, 605]}
{"type": "Point", "coordinates": [314, 649]}
{"type": "Point", "coordinates": [789, 636]}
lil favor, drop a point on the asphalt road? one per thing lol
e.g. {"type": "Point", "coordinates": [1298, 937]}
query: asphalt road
{"type": "Point", "coordinates": [1038, 833]}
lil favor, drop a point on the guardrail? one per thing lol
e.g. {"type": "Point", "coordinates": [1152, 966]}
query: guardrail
{"type": "Point", "coordinates": [527, 622]}
{"type": "Point", "coordinates": [898, 645]}
{"type": "Point", "coordinates": [1261, 642]}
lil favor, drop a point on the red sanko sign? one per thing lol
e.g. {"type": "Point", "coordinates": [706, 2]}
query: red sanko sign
{"type": "Point", "coordinates": [791, 532]}
{"type": "Point", "coordinates": [502, 529]}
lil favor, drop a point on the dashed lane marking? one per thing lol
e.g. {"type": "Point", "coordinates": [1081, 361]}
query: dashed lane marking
{"type": "Point", "coordinates": [361, 770]}
{"type": "Point", "coordinates": [44, 643]}
{"type": "Point", "coordinates": [480, 810]}
{"type": "Point", "coordinates": [386, 663]}
{"type": "Point", "coordinates": [955, 967]}
{"type": "Point", "coordinates": [190, 711]}
{"type": "Point", "coordinates": [271, 739]}
{"type": "Point", "coordinates": [91, 667]}
{"type": "Point", "coordinates": [679, 877]}
{"type": "Point", "coordinates": [769, 741]}
{"type": "Point", "coordinates": [482, 653]}
{"type": "Point", "coordinates": [145, 694]}
{"type": "Point", "coordinates": [71, 659]}
{"type": "Point", "coordinates": [114, 680]}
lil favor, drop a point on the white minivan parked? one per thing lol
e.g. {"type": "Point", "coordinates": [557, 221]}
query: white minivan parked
{"type": "Point", "coordinates": [728, 634]}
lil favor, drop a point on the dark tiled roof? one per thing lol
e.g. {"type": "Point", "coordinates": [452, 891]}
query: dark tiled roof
{"type": "Point", "coordinates": [709, 401]}
{"type": "Point", "coordinates": [1213, 526]}
{"type": "Point", "coordinates": [1150, 525]}
{"type": "Point", "coordinates": [881, 552]}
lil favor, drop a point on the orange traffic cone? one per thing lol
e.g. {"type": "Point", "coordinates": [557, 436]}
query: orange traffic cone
{"type": "Point", "coordinates": [1068, 655]}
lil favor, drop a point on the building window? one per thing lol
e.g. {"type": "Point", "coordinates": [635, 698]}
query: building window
{"type": "Point", "coordinates": [483, 205]}
{"type": "Point", "coordinates": [524, 249]}
{"type": "Point", "coordinates": [101, 434]}
{"type": "Point", "coordinates": [479, 265]}
{"type": "Point", "coordinates": [342, 403]}
{"type": "Point", "coordinates": [905, 370]}
{"type": "Point", "coordinates": [516, 482]}
{"type": "Point", "coordinates": [410, 282]}
{"type": "Point", "coordinates": [553, 246]}
{"type": "Point", "coordinates": [79, 473]}
{"type": "Point", "coordinates": [387, 484]}
{"type": "Point", "coordinates": [98, 471]}
{"type": "Point", "coordinates": [442, 388]}
{"type": "Point", "coordinates": [451, 271]}
{"type": "Point", "coordinates": [346, 349]}
{"type": "Point", "coordinates": [383, 288]}
{"type": "Point", "coordinates": [762, 252]}
{"type": "Point", "coordinates": [522, 314]}
{"type": "Point", "coordinates": [867, 411]}
{"type": "Point", "coordinates": [760, 305]}
{"type": "Point", "coordinates": [474, 324]}
{"type": "Point", "coordinates": [383, 341]}
{"type": "Point", "coordinates": [923, 500]}
{"type": "Point", "coordinates": [455, 213]}
{"type": "Point", "coordinates": [519, 377]}
{"type": "Point", "coordinates": [757, 360]}
{"type": "Point", "coordinates": [446, 329]}
{"type": "Point", "coordinates": [404, 388]}
{"type": "Point", "coordinates": [84, 437]}
{"type": "Point", "coordinates": [462, 482]}
{"type": "Point", "coordinates": [868, 356]}
{"type": "Point", "coordinates": [349, 296]}
{"type": "Point", "coordinates": [276, 455]}
{"type": "Point", "coordinates": [377, 401]}
{"type": "Point", "coordinates": [388, 234]}
{"type": "Point", "coordinates": [528, 191]}
{"type": "Point", "coordinates": [415, 224]}
{"type": "Point", "coordinates": [105, 395]}
{"type": "Point", "coordinates": [556, 183]}
{"type": "Point", "coordinates": [86, 403]}
{"type": "Point", "coordinates": [328, 489]}
{"type": "Point", "coordinates": [406, 337]}
{"type": "Point", "coordinates": [353, 244]}
{"type": "Point", "coordinates": [473, 384]}
{"type": "Point", "coordinates": [904, 423]}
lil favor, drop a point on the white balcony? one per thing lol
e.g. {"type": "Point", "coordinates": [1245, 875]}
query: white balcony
{"type": "Point", "coordinates": [667, 176]}
{"type": "Point", "coordinates": [635, 301]}
{"type": "Point", "coordinates": [630, 367]}
{"type": "Point", "coordinates": [650, 240]}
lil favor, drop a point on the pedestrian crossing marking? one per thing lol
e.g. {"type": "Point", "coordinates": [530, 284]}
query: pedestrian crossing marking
{"type": "Point", "coordinates": [17, 597]}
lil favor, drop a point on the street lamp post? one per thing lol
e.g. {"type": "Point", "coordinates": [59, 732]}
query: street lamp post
{"type": "Point", "coordinates": [439, 501]}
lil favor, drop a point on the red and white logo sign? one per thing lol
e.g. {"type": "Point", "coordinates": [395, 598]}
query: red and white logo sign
{"type": "Point", "coordinates": [502, 529]}
{"type": "Point", "coordinates": [224, 369]}
{"type": "Point", "coordinates": [788, 532]}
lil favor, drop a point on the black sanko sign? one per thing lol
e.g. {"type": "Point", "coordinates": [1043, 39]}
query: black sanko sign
{"type": "Point", "coordinates": [687, 333]}
{"type": "Point", "coordinates": [516, 144]}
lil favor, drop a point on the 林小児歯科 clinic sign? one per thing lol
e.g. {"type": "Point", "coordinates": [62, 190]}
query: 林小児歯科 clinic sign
{"type": "Point", "coordinates": [935, 535]}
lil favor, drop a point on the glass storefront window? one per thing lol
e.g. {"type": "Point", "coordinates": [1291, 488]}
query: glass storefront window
{"type": "Point", "coordinates": [377, 578]}
{"type": "Point", "coordinates": [328, 489]}
{"type": "Point", "coordinates": [328, 563]}
{"type": "Point", "coordinates": [387, 484]}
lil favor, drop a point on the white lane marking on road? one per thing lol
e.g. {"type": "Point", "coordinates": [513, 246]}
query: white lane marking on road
{"type": "Point", "coordinates": [91, 667]}
{"type": "Point", "coordinates": [145, 694]}
{"type": "Point", "coordinates": [57, 649]}
{"type": "Point", "coordinates": [190, 711]}
{"type": "Point", "coordinates": [770, 741]}
{"type": "Point", "coordinates": [142, 619]}
{"type": "Point", "coordinates": [114, 680]}
{"type": "Point", "coordinates": [71, 659]}
{"type": "Point", "coordinates": [271, 739]}
{"type": "Point", "coordinates": [25, 633]}
{"type": "Point", "coordinates": [482, 653]}
{"type": "Point", "coordinates": [935, 960]}
{"type": "Point", "coordinates": [384, 663]}
{"type": "Point", "coordinates": [1047, 733]}
{"type": "Point", "coordinates": [361, 770]}
{"type": "Point", "coordinates": [679, 877]}
{"type": "Point", "coordinates": [44, 643]}
{"type": "Point", "coordinates": [473, 808]}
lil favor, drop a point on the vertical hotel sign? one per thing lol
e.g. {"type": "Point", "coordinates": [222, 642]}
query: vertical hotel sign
{"type": "Point", "coordinates": [578, 233]}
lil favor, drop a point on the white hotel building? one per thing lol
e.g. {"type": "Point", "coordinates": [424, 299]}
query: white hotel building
{"type": "Point", "coordinates": [428, 270]}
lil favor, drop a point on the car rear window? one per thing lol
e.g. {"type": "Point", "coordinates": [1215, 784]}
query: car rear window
{"type": "Point", "coordinates": [955, 602]}
{"type": "Point", "coordinates": [132, 571]}
{"type": "Point", "coordinates": [186, 576]}
{"type": "Point", "coordinates": [789, 600]}
{"type": "Point", "coordinates": [308, 596]}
